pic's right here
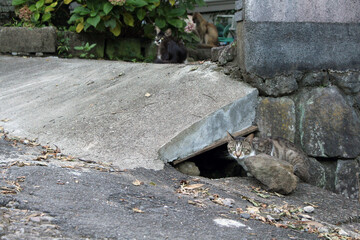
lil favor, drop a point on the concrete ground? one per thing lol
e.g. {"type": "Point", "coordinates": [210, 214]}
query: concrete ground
{"type": "Point", "coordinates": [93, 172]}
{"type": "Point", "coordinates": [114, 112]}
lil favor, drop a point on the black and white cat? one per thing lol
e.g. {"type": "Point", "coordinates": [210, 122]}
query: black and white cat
{"type": "Point", "coordinates": [170, 50]}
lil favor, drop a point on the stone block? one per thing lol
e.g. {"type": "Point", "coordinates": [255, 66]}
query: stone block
{"type": "Point", "coordinates": [239, 16]}
{"type": "Point", "coordinates": [273, 48]}
{"type": "Point", "coordinates": [322, 11]}
{"type": "Point", "coordinates": [348, 81]}
{"type": "Point", "coordinates": [239, 5]}
{"type": "Point", "coordinates": [328, 125]}
{"type": "Point", "coordinates": [228, 54]}
{"type": "Point", "coordinates": [313, 79]}
{"type": "Point", "coordinates": [317, 173]}
{"type": "Point", "coordinates": [26, 40]}
{"type": "Point", "coordinates": [275, 117]}
{"type": "Point", "coordinates": [347, 178]}
{"type": "Point", "coordinates": [215, 53]}
{"type": "Point", "coordinates": [275, 86]}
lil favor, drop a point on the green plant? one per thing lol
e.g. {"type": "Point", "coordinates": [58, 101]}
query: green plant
{"type": "Point", "coordinates": [133, 17]}
{"type": "Point", "coordinates": [86, 48]}
{"type": "Point", "coordinates": [63, 44]}
{"type": "Point", "coordinates": [36, 13]}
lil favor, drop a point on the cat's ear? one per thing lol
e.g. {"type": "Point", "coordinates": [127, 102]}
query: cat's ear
{"type": "Point", "coordinates": [168, 32]}
{"type": "Point", "coordinates": [157, 29]}
{"type": "Point", "coordinates": [229, 136]}
{"type": "Point", "coordinates": [249, 138]}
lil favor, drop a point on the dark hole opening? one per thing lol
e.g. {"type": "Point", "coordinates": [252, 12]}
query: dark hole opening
{"type": "Point", "coordinates": [217, 163]}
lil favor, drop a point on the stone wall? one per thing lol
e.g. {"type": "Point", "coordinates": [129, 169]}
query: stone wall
{"type": "Point", "coordinates": [6, 11]}
{"type": "Point", "coordinates": [304, 58]}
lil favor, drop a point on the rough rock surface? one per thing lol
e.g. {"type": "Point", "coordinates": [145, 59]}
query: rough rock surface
{"type": "Point", "coordinates": [347, 178]}
{"type": "Point", "coordinates": [275, 117]}
{"type": "Point", "coordinates": [349, 81]}
{"type": "Point", "coordinates": [275, 174]}
{"type": "Point", "coordinates": [276, 86]}
{"type": "Point", "coordinates": [188, 168]}
{"type": "Point", "coordinates": [328, 125]}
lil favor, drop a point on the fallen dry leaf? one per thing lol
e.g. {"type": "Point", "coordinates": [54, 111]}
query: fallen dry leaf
{"type": "Point", "coordinates": [137, 183]}
{"type": "Point", "coordinates": [137, 210]}
{"type": "Point", "coordinates": [193, 186]}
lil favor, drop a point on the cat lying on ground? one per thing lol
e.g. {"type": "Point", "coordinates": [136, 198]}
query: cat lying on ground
{"type": "Point", "coordinates": [241, 148]}
{"type": "Point", "coordinates": [169, 49]}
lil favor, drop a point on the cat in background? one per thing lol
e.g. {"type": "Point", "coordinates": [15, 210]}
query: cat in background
{"type": "Point", "coordinates": [241, 148]}
{"type": "Point", "coordinates": [169, 49]}
{"type": "Point", "coordinates": [206, 31]}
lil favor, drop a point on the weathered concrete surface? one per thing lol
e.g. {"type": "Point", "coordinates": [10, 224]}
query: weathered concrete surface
{"type": "Point", "coordinates": [270, 48]}
{"type": "Point", "coordinates": [27, 40]}
{"type": "Point", "coordinates": [59, 199]}
{"type": "Point", "coordinates": [114, 112]}
{"type": "Point", "coordinates": [329, 11]}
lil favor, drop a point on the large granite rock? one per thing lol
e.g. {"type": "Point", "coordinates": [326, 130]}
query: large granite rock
{"type": "Point", "coordinates": [275, 117]}
{"type": "Point", "coordinates": [276, 86]}
{"type": "Point", "coordinates": [347, 178]}
{"type": "Point", "coordinates": [349, 81]}
{"type": "Point", "coordinates": [328, 125]}
{"type": "Point", "coordinates": [275, 174]}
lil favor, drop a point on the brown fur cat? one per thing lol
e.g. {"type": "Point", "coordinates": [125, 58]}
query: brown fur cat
{"type": "Point", "coordinates": [207, 31]}
{"type": "Point", "coordinates": [241, 148]}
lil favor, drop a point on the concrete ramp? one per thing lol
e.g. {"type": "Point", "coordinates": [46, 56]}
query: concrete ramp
{"type": "Point", "coordinates": [119, 112]}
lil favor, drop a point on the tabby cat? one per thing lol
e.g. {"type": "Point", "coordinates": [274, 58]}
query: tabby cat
{"type": "Point", "coordinates": [241, 148]}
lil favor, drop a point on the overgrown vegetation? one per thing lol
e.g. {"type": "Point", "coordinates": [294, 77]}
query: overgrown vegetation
{"type": "Point", "coordinates": [117, 18]}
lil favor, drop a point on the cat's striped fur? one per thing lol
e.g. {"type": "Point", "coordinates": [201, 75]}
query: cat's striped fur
{"type": "Point", "coordinates": [241, 148]}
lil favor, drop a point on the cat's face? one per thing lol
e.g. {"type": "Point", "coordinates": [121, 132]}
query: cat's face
{"type": "Point", "coordinates": [240, 148]}
{"type": "Point", "coordinates": [160, 35]}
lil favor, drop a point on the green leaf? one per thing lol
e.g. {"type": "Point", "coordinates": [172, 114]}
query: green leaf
{"type": "Point", "coordinates": [46, 17]}
{"type": "Point", "coordinates": [36, 16]}
{"type": "Point", "coordinates": [137, 3]}
{"type": "Point", "coordinates": [73, 18]}
{"type": "Point", "coordinates": [176, 12]}
{"type": "Point", "coordinates": [81, 10]}
{"type": "Point", "coordinates": [141, 14]}
{"type": "Point", "coordinates": [32, 8]}
{"type": "Point", "coordinates": [128, 19]}
{"type": "Point", "coordinates": [49, 9]}
{"type": "Point", "coordinates": [110, 23]}
{"type": "Point", "coordinates": [176, 22]}
{"type": "Point", "coordinates": [116, 31]}
{"type": "Point", "coordinates": [79, 48]}
{"type": "Point", "coordinates": [92, 46]}
{"type": "Point", "coordinates": [160, 22]}
{"type": "Point", "coordinates": [93, 21]}
{"type": "Point", "coordinates": [39, 4]}
{"type": "Point", "coordinates": [18, 2]}
{"type": "Point", "coordinates": [107, 8]}
{"type": "Point", "coordinates": [151, 7]}
{"type": "Point", "coordinates": [93, 14]}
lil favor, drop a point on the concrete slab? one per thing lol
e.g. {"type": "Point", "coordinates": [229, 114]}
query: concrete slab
{"type": "Point", "coordinates": [27, 40]}
{"type": "Point", "coordinates": [112, 112]}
